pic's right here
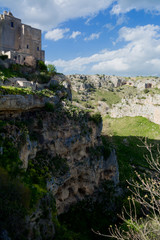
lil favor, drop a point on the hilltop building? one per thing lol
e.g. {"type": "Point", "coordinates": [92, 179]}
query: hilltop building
{"type": "Point", "coordinates": [20, 42]}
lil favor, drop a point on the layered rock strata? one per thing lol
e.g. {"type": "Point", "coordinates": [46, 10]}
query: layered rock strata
{"type": "Point", "coordinates": [147, 106]}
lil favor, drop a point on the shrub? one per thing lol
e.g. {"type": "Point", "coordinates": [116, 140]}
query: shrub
{"type": "Point", "coordinates": [4, 57]}
{"type": "Point", "coordinates": [146, 194]}
{"type": "Point", "coordinates": [51, 69]}
{"type": "Point", "coordinates": [43, 77]}
{"type": "Point", "coordinates": [42, 67]}
{"type": "Point", "coordinates": [96, 118]}
{"type": "Point", "coordinates": [15, 67]}
{"type": "Point", "coordinates": [146, 90]}
{"type": "Point", "coordinates": [14, 204]}
{"type": "Point", "coordinates": [49, 107]}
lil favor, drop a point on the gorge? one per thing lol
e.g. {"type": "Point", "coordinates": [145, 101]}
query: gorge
{"type": "Point", "coordinates": [58, 153]}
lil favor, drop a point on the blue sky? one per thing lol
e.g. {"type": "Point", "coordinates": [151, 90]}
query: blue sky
{"type": "Point", "coordinates": [95, 36]}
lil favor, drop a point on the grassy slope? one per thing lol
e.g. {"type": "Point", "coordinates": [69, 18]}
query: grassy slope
{"type": "Point", "coordinates": [125, 134]}
{"type": "Point", "coordinates": [8, 73]}
{"type": "Point", "coordinates": [110, 97]}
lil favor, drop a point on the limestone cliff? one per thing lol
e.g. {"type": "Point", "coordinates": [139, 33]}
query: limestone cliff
{"type": "Point", "coordinates": [72, 136]}
{"type": "Point", "coordinates": [146, 106]}
{"type": "Point", "coordinates": [61, 151]}
{"type": "Point", "coordinates": [82, 82]}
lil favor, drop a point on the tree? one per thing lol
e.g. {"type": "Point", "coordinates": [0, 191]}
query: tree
{"type": "Point", "coordinates": [41, 66]}
{"type": "Point", "coordinates": [51, 69]}
{"type": "Point", "coordinates": [145, 192]}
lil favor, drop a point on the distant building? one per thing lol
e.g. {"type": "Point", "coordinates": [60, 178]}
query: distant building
{"type": "Point", "coordinates": [148, 85]}
{"type": "Point", "coordinates": [19, 41]}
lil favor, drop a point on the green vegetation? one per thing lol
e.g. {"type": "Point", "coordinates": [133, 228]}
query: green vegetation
{"type": "Point", "coordinates": [14, 205]}
{"type": "Point", "coordinates": [5, 90]}
{"type": "Point", "coordinates": [41, 66]}
{"type": "Point", "coordinates": [51, 69]}
{"type": "Point", "coordinates": [146, 90]}
{"type": "Point", "coordinates": [126, 91]}
{"type": "Point", "coordinates": [8, 73]}
{"type": "Point", "coordinates": [145, 194]}
{"type": "Point", "coordinates": [110, 97]}
{"type": "Point", "coordinates": [43, 74]}
{"type": "Point", "coordinates": [107, 96]}
{"type": "Point", "coordinates": [96, 118]}
{"type": "Point", "coordinates": [15, 195]}
{"type": "Point", "coordinates": [4, 57]}
{"type": "Point", "coordinates": [88, 214]}
{"type": "Point", "coordinates": [20, 190]}
{"type": "Point", "coordinates": [131, 126]}
{"type": "Point", "coordinates": [124, 135]}
{"type": "Point", "coordinates": [49, 107]}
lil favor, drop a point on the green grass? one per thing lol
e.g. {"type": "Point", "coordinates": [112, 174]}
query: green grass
{"type": "Point", "coordinates": [131, 126]}
{"type": "Point", "coordinates": [125, 135]}
{"type": "Point", "coordinates": [126, 91]}
{"type": "Point", "coordinates": [8, 73]}
{"type": "Point", "coordinates": [99, 95]}
{"type": "Point", "coordinates": [5, 90]}
{"type": "Point", "coordinates": [107, 96]}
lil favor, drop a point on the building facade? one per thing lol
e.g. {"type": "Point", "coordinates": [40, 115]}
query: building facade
{"type": "Point", "coordinates": [19, 41]}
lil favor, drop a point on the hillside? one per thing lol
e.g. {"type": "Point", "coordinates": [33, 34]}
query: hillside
{"type": "Point", "coordinates": [66, 164]}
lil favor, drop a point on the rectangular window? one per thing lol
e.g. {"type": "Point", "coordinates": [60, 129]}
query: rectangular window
{"type": "Point", "coordinates": [27, 46]}
{"type": "Point", "coordinates": [12, 24]}
{"type": "Point", "coordinates": [37, 48]}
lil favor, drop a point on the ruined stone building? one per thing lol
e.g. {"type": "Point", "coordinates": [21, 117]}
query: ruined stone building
{"type": "Point", "coordinates": [19, 41]}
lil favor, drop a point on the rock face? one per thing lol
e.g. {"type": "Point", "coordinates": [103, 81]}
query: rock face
{"type": "Point", "coordinates": [86, 83]}
{"type": "Point", "coordinates": [60, 149]}
{"type": "Point", "coordinates": [147, 106]}
{"type": "Point", "coordinates": [78, 142]}
{"type": "Point", "coordinates": [89, 82]}
{"type": "Point", "coordinates": [65, 146]}
{"type": "Point", "coordinates": [143, 82]}
{"type": "Point", "coordinates": [21, 103]}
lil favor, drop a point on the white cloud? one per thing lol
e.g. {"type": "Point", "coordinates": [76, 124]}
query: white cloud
{"type": "Point", "coordinates": [109, 26]}
{"type": "Point", "coordinates": [140, 33]}
{"type": "Point", "coordinates": [124, 6]}
{"type": "Point", "coordinates": [92, 36]}
{"type": "Point", "coordinates": [139, 56]}
{"type": "Point", "coordinates": [56, 34]}
{"type": "Point", "coordinates": [50, 13]}
{"type": "Point", "coordinates": [75, 34]}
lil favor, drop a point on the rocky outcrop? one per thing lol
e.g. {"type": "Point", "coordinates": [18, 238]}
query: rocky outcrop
{"type": "Point", "coordinates": [89, 82]}
{"type": "Point", "coordinates": [27, 102]}
{"type": "Point", "coordinates": [22, 101]}
{"type": "Point", "coordinates": [142, 83]}
{"type": "Point", "coordinates": [61, 152]}
{"type": "Point", "coordinates": [147, 106]}
{"type": "Point", "coordinates": [66, 142]}
{"type": "Point", "coordinates": [77, 145]}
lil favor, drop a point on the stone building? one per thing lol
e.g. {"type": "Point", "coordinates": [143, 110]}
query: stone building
{"type": "Point", "coordinates": [19, 41]}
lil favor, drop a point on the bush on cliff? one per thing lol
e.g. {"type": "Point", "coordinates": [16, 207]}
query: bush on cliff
{"type": "Point", "coordinates": [49, 107]}
{"type": "Point", "coordinates": [51, 69]}
{"type": "Point", "coordinates": [42, 67]}
{"type": "Point", "coordinates": [146, 196]}
{"type": "Point", "coordinates": [96, 118]}
{"type": "Point", "coordinates": [4, 57]}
